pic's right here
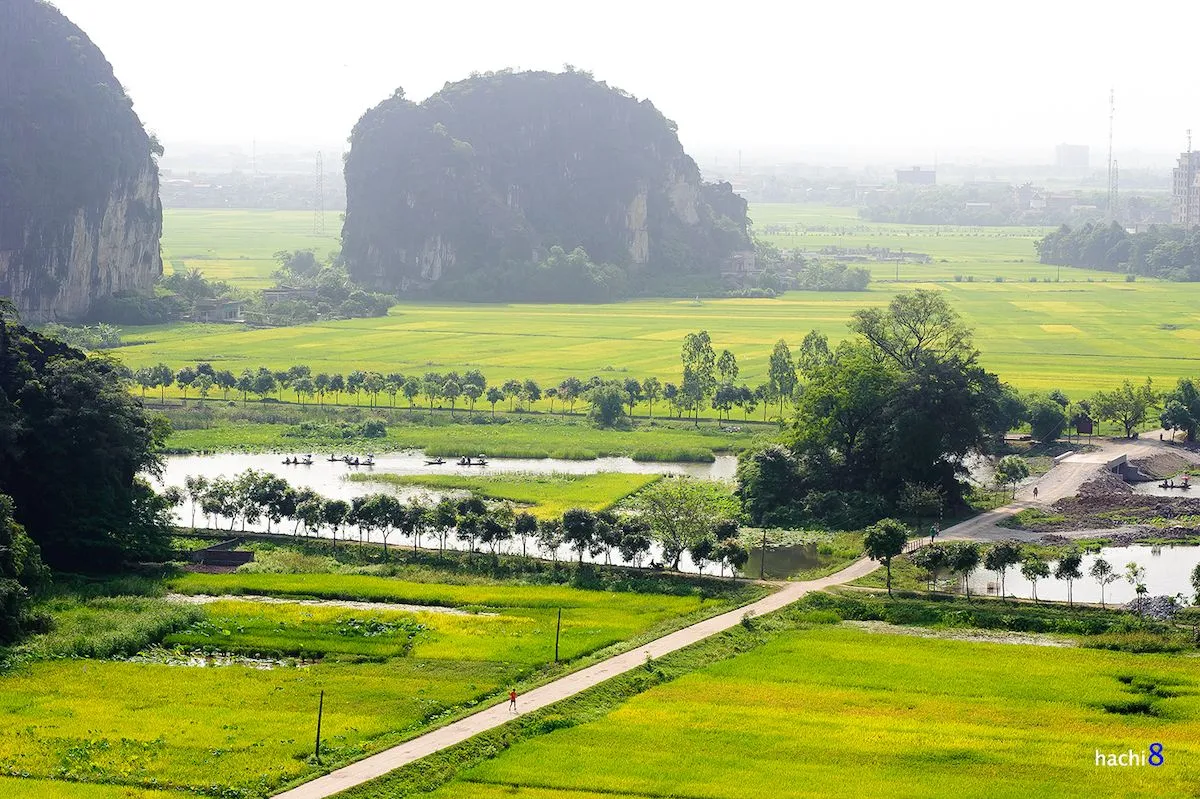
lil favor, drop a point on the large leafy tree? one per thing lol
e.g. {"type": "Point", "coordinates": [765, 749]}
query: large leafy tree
{"type": "Point", "coordinates": [75, 441]}
{"type": "Point", "coordinates": [885, 540]}
{"type": "Point", "coordinates": [1181, 408]}
{"type": "Point", "coordinates": [1128, 405]}
{"type": "Point", "coordinates": [904, 402]}
{"type": "Point", "coordinates": [21, 573]}
{"type": "Point", "coordinates": [681, 512]}
{"type": "Point", "coordinates": [914, 329]}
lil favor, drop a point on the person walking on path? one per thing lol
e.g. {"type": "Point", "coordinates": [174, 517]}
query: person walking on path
{"type": "Point", "coordinates": [512, 700]}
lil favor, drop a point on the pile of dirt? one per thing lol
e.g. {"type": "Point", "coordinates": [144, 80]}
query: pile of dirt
{"type": "Point", "coordinates": [1111, 511]}
{"type": "Point", "coordinates": [1154, 607]}
{"type": "Point", "coordinates": [1104, 485]}
{"type": "Point", "coordinates": [1163, 464]}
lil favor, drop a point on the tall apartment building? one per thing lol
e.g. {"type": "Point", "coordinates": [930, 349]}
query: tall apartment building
{"type": "Point", "coordinates": [1185, 193]}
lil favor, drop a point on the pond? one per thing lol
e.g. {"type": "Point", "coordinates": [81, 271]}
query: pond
{"type": "Point", "coordinates": [329, 479]}
{"type": "Point", "coordinates": [1168, 571]}
{"type": "Point", "coordinates": [1156, 489]}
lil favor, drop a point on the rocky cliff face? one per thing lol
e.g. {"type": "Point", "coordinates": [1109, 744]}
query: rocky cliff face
{"type": "Point", "coordinates": [80, 216]}
{"type": "Point", "coordinates": [483, 179]}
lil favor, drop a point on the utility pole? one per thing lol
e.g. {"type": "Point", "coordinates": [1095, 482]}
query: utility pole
{"type": "Point", "coordinates": [1112, 165]}
{"type": "Point", "coordinates": [319, 197]}
{"type": "Point", "coordinates": [762, 561]}
{"type": "Point", "coordinates": [557, 633]}
{"type": "Point", "coordinates": [320, 710]}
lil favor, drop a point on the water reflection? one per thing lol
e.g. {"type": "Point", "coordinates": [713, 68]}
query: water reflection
{"type": "Point", "coordinates": [1168, 571]}
{"type": "Point", "coordinates": [329, 479]}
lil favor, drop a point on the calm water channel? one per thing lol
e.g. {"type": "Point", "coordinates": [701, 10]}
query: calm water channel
{"type": "Point", "coordinates": [330, 480]}
{"type": "Point", "coordinates": [1168, 571]}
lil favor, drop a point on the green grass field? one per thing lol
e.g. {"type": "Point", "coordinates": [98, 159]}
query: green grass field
{"type": "Point", "coordinates": [833, 711]}
{"type": "Point", "coordinates": [547, 496]}
{"type": "Point", "coordinates": [244, 731]}
{"type": "Point", "coordinates": [1074, 334]}
{"type": "Point", "coordinates": [523, 436]}
{"type": "Point", "coordinates": [239, 246]}
{"type": "Point", "coordinates": [59, 789]}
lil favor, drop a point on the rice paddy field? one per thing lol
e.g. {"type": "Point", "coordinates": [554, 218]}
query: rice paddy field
{"type": "Point", "coordinates": [225, 704]}
{"type": "Point", "coordinates": [1083, 333]}
{"type": "Point", "coordinates": [834, 711]}
{"type": "Point", "coordinates": [239, 246]}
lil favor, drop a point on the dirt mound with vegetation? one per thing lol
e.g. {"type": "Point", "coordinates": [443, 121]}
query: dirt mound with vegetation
{"type": "Point", "coordinates": [1163, 464]}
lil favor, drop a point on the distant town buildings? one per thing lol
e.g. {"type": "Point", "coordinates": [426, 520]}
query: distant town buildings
{"type": "Point", "coordinates": [1185, 195]}
{"type": "Point", "coordinates": [1072, 157]}
{"type": "Point", "coordinates": [916, 177]}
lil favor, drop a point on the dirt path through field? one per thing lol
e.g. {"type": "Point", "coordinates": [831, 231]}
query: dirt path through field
{"type": "Point", "coordinates": [434, 741]}
{"type": "Point", "coordinates": [1061, 481]}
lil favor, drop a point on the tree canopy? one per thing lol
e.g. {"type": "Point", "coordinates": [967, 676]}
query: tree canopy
{"type": "Point", "coordinates": [73, 442]}
{"type": "Point", "coordinates": [901, 403]}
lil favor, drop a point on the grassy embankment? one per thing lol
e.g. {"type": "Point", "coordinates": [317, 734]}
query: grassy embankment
{"type": "Point", "coordinates": [80, 714]}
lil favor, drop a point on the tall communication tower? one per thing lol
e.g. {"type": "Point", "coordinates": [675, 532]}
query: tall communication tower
{"type": "Point", "coordinates": [1112, 165]}
{"type": "Point", "coordinates": [1190, 180]}
{"type": "Point", "coordinates": [319, 197]}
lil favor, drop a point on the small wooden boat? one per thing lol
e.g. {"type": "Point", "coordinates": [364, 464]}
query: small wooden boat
{"type": "Point", "coordinates": [434, 461]}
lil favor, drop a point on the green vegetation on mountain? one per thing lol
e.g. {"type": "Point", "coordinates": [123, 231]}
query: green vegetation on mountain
{"type": "Point", "coordinates": [79, 211]}
{"type": "Point", "coordinates": [532, 186]}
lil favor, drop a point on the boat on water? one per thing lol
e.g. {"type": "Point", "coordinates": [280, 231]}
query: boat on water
{"type": "Point", "coordinates": [434, 461]}
{"type": "Point", "coordinates": [467, 460]}
{"type": "Point", "coordinates": [298, 461]}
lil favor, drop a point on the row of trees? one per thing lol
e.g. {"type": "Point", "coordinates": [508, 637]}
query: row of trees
{"type": "Point", "coordinates": [679, 515]}
{"type": "Point", "coordinates": [1130, 406]}
{"type": "Point", "coordinates": [708, 380]}
{"type": "Point", "coordinates": [886, 540]}
{"type": "Point", "coordinates": [1164, 251]}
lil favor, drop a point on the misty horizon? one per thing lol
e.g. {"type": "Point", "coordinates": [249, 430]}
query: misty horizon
{"type": "Point", "coordinates": [918, 85]}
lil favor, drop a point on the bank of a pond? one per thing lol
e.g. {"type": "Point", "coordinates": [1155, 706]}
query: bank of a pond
{"type": "Point", "coordinates": [1168, 571]}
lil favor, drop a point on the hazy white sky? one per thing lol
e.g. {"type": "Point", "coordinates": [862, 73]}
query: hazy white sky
{"type": "Point", "coordinates": [873, 78]}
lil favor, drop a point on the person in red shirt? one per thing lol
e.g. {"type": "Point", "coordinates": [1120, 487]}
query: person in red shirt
{"type": "Point", "coordinates": [512, 700]}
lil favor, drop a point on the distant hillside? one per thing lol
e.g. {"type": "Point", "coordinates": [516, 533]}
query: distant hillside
{"type": "Point", "coordinates": [79, 212]}
{"type": "Point", "coordinates": [469, 194]}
